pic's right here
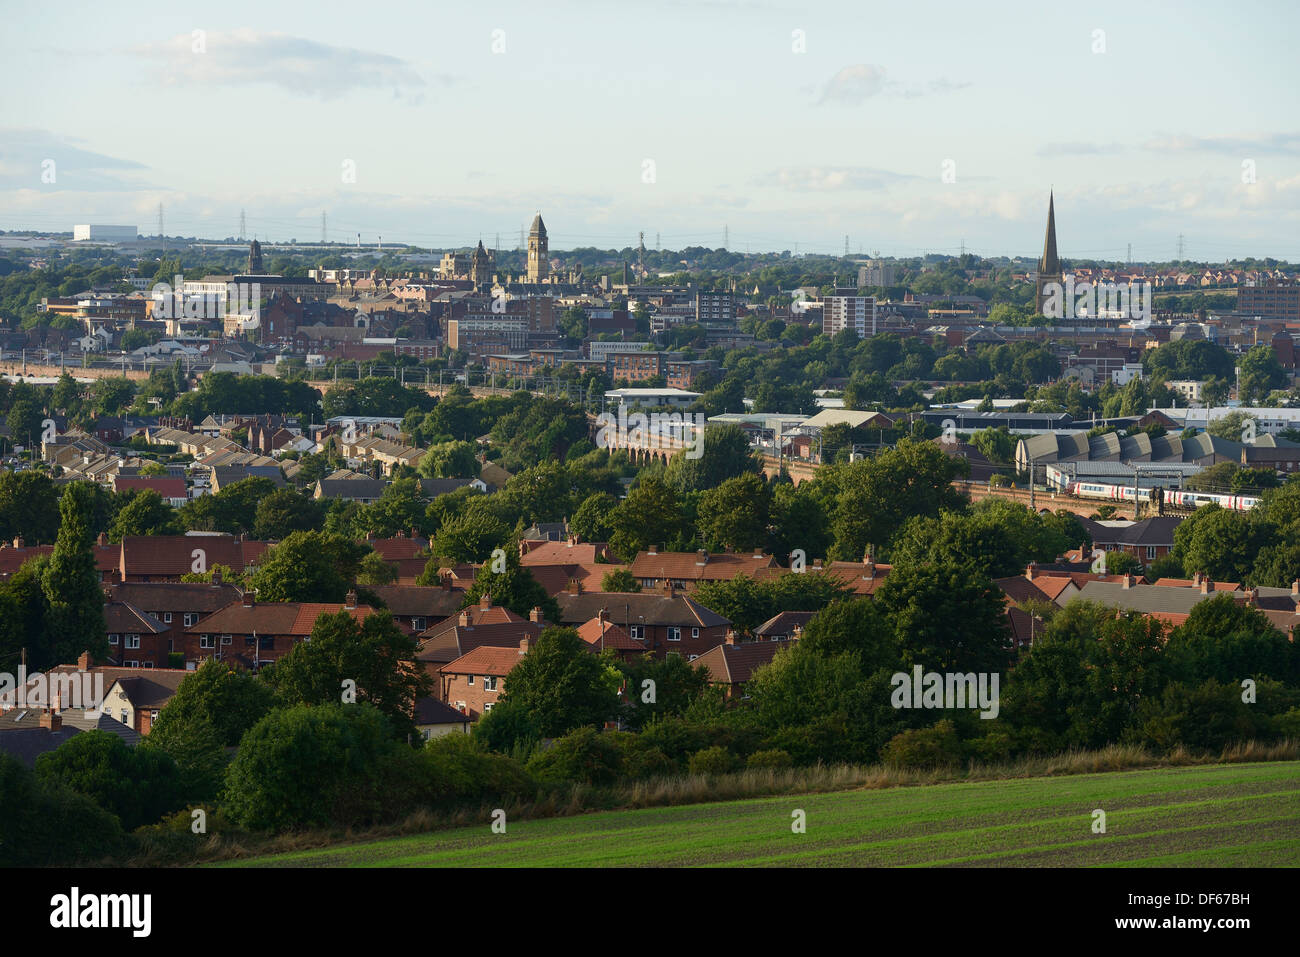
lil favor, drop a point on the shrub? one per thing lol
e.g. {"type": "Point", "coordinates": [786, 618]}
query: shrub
{"type": "Point", "coordinates": [714, 760]}
{"type": "Point", "coordinates": [44, 824]}
{"type": "Point", "coordinates": [583, 755]}
{"type": "Point", "coordinates": [934, 747]}
{"type": "Point", "coordinates": [771, 758]}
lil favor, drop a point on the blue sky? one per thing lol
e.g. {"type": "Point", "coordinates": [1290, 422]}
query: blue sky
{"type": "Point", "coordinates": [452, 140]}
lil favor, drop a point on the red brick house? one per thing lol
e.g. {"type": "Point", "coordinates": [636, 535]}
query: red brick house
{"type": "Point", "coordinates": [473, 683]}
{"type": "Point", "coordinates": [165, 558]}
{"type": "Point", "coordinates": [658, 570]}
{"type": "Point", "coordinates": [176, 606]}
{"type": "Point", "coordinates": [255, 633]}
{"type": "Point", "coordinates": [664, 624]}
{"type": "Point", "coordinates": [731, 664]}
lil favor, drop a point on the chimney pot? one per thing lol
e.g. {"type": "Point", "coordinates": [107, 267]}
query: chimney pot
{"type": "Point", "coordinates": [248, 599]}
{"type": "Point", "coordinates": [351, 600]}
{"type": "Point", "coordinates": [83, 661]}
{"type": "Point", "coordinates": [464, 619]}
{"type": "Point", "coordinates": [652, 549]}
{"type": "Point", "coordinates": [51, 720]}
{"type": "Point", "coordinates": [485, 600]}
{"type": "Point", "coordinates": [525, 643]}
{"type": "Point", "coordinates": [1128, 581]}
{"type": "Point", "coordinates": [536, 614]}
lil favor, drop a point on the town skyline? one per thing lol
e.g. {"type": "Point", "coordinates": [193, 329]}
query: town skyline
{"type": "Point", "coordinates": [459, 126]}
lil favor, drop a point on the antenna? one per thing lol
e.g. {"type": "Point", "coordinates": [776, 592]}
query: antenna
{"type": "Point", "coordinates": [323, 232]}
{"type": "Point", "coordinates": [161, 233]}
{"type": "Point", "coordinates": [1180, 243]}
{"type": "Point", "coordinates": [726, 236]}
{"type": "Point", "coordinates": [242, 226]}
{"type": "Point", "coordinates": [846, 245]}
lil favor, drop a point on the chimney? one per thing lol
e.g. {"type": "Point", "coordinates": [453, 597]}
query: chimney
{"type": "Point", "coordinates": [870, 573]}
{"type": "Point", "coordinates": [1207, 584]}
{"type": "Point", "coordinates": [103, 539]}
{"type": "Point", "coordinates": [731, 636]}
{"type": "Point", "coordinates": [83, 661]}
{"type": "Point", "coordinates": [1251, 594]}
{"type": "Point", "coordinates": [603, 614]}
{"type": "Point", "coordinates": [248, 599]}
{"type": "Point", "coordinates": [350, 601]}
{"type": "Point", "coordinates": [574, 587]}
{"type": "Point", "coordinates": [1295, 589]}
{"type": "Point", "coordinates": [536, 614]}
{"type": "Point", "coordinates": [870, 555]}
{"type": "Point", "coordinates": [51, 720]}
{"type": "Point", "coordinates": [485, 600]}
{"type": "Point", "coordinates": [701, 557]}
{"type": "Point", "coordinates": [18, 542]}
{"type": "Point", "coordinates": [1128, 581]}
{"type": "Point", "coordinates": [464, 619]}
{"type": "Point", "coordinates": [817, 564]}
{"type": "Point", "coordinates": [216, 576]}
{"type": "Point", "coordinates": [1030, 569]}
{"type": "Point", "coordinates": [525, 644]}
{"type": "Point", "coordinates": [652, 549]}
{"type": "Point", "coordinates": [1196, 579]}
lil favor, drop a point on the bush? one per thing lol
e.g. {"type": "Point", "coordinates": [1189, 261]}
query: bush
{"type": "Point", "coordinates": [771, 758]}
{"type": "Point", "coordinates": [714, 760]}
{"type": "Point", "coordinates": [138, 785]}
{"type": "Point", "coordinates": [313, 765]}
{"type": "Point", "coordinates": [934, 747]}
{"type": "Point", "coordinates": [458, 770]}
{"type": "Point", "coordinates": [44, 824]}
{"type": "Point", "coordinates": [583, 755]}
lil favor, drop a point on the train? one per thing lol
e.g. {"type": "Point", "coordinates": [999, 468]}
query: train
{"type": "Point", "coordinates": [1176, 497]}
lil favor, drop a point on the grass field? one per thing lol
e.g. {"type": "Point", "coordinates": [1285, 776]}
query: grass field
{"type": "Point", "coordinates": [1217, 815]}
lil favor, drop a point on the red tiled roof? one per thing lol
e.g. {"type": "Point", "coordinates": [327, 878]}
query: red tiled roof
{"type": "Point", "coordinates": [734, 664]}
{"type": "Point", "coordinates": [690, 566]}
{"type": "Point", "coordinates": [173, 555]}
{"type": "Point", "coordinates": [484, 660]}
{"type": "Point", "coordinates": [610, 636]}
{"type": "Point", "coordinates": [166, 487]}
{"type": "Point", "coordinates": [272, 618]}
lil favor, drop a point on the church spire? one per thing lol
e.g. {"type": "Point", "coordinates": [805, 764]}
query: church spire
{"type": "Point", "coordinates": [1050, 265]}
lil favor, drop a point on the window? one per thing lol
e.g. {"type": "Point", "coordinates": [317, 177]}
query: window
{"type": "Point", "coordinates": [124, 718]}
{"type": "Point", "coordinates": [418, 624]}
{"type": "Point", "coordinates": [190, 618]}
{"type": "Point", "coordinates": [695, 632]}
{"type": "Point", "coordinates": [691, 657]}
{"type": "Point", "coordinates": [148, 664]}
{"type": "Point", "coordinates": [133, 641]}
{"type": "Point", "coordinates": [1151, 551]}
{"type": "Point", "coordinates": [489, 683]}
{"type": "Point", "coordinates": [167, 617]}
{"type": "Point", "coordinates": [674, 634]}
{"type": "Point", "coordinates": [634, 631]}
{"type": "Point", "coordinates": [469, 680]}
{"type": "Point", "coordinates": [460, 706]}
{"type": "Point", "coordinates": [113, 639]}
{"type": "Point", "coordinates": [153, 715]}
{"type": "Point", "coordinates": [205, 641]}
{"type": "Point", "coordinates": [488, 707]}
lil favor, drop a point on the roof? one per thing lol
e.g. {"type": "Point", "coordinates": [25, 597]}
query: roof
{"type": "Point", "coordinates": [272, 617]}
{"type": "Point", "coordinates": [22, 736]}
{"type": "Point", "coordinates": [785, 623]}
{"type": "Point", "coordinates": [153, 689]}
{"type": "Point", "coordinates": [122, 617]}
{"type": "Point", "coordinates": [430, 711]}
{"type": "Point", "coordinates": [423, 601]}
{"type": "Point", "coordinates": [457, 640]}
{"type": "Point", "coordinates": [485, 660]}
{"type": "Point", "coordinates": [628, 607]}
{"type": "Point", "coordinates": [166, 487]}
{"type": "Point", "coordinates": [694, 566]}
{"type": "Point", "coordinates": [173, 555]}
{"type": "Point", "coordinates": [175, 596]}
{"type": "Point", "coordinates": [605, 634]}
{"type": "Point", "coordinates": [734, 664]}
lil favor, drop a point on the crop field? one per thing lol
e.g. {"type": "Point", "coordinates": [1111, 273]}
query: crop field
{"type": "Point", "coordinates": [1234, 815]}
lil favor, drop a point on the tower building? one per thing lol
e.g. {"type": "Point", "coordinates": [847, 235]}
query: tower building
{"type": "Point", "coordinates": [1049, 267]}
{"type": "Point", "coordinates": [539, 257]}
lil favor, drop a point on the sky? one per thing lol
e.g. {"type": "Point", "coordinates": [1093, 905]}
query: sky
{"type": "Point", "coordinates": [909, 128]}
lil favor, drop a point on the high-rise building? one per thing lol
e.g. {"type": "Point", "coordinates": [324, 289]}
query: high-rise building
{"type": "Point", "coordinates": [255, 267]}
{"type": "Point", "coordinates": [480, 267]}
{"type": "Point", "coordinates": [876, 272]}
{"type": "Point", "coordinates": [539, 257]}
{"type": "Point", "coordinates": [1049, 267]}
{"type": "Point", "coordinates": [849, 312]}
{"type": "Point", "coordinates": [715, 307]}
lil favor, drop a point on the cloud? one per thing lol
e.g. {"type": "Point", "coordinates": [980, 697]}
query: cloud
{"type": "Point", "coordinates": [854, 85]}
{"type": "Point", "coordinates": [295, 64]}
{"type": "Point", "coordinates": [831, 178]}
{"type": "Point", "coordinates": [1080, 149]}
{"type": "Point", "coordinates": [1286, 143]}
{"type": "Point", "coordinates": [26, 156]}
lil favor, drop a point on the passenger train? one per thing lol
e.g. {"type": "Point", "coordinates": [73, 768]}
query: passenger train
{"type": "Point", "coordinates": [1178, 497]}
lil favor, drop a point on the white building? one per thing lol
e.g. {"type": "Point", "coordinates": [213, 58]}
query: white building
{"type": "Point", "coordinates": [849, 312]}
{"type": "Point", "coordinates": [104, 234]}
{"type": "Point", "coordinates": [658, 398]}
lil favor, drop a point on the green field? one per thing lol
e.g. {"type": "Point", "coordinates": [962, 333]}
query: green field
{"type": "Point", "coordinates": [1220, 815]}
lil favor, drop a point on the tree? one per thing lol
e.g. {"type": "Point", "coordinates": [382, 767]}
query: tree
{"type": "Point", "coordinates": [1228, 642]}
{"type": "Point", "coordinates": [144, 514]}
{"type": "Point", "coordinates": [451, 460]}
{"type": "Point", "coordinates": [29, 507]}
{"type": "Point", "coordinates": [735, 514]}
{"type": "Point", "coordinates": [1220, 543]}
{"type": "Point", "coordinates": [227, 700]}
{"type": "Point", "coordinates": [724, 453]}
{"type": "Point", "coordinates": [946, 618]}
{"type": "Point", "coordinates": [312, 766]}
{"type": "Point", "coordinates": [562, 685]}
{"type": "Point", "coordinates": [71, 582]}
{"type": "Point", "coordinates": [308, 566]}
{"type": "Point", "coordinates": [620, 580]}
{"type": "Point", "coordinates": [44, 823]}
{"type": "Point", "coordinates": [1261, 373]}
{"type": "Point", "coordinates": [591, 522]}
{"type": "Point", "coordinates": [284, 512]}
{"type": "Point", "coordinates": [138, 784]}
{"type": "Point", "coordinates": [514, 587]}
{"type": "Point", "coordinates": [470, 537]}
{"type": "Point", "coordinates": [373, 658]}
{"type": "Point", "coordinates": [651, 514]}
{"type": "Point", "coordinates": [1236, 426]}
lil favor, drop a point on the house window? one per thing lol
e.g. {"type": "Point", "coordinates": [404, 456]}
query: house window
{"type": "Point", "coordinates": [695, 632]}
{"type": "Point", "coordinates": [124, 717]}
{"type": "Point", "coordinates": [634, 631]}
{"type": "Point", "coordinates": [418, 624]}
{"type": "Point", "coordinates": [112, 639]}
{"type": "Point", "coordinates": [691, 657]}
{"type": "Point", "coordinates": [205, 641]}
{"type": "Point", "coordinates": [133, 641]}
{"type": "Point", "coordinates": [1151, 551]}
{"type": "Point", "coordinates": [190, 618]}
{"type": "Point", "coordinates": [469, 680]}
{"type": "Point", "coordinates": [167, 617]}
{"type": "Point", "coordinates": [460, 706]}
{"type": "Point", "coordinates": [489, 683]}
{"type": "Point", "coordinates": [153, 716]}
{"type": "Point", "coordinates": [674, 634]}
{"type": "Point", "coordinates": [488, 707]}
